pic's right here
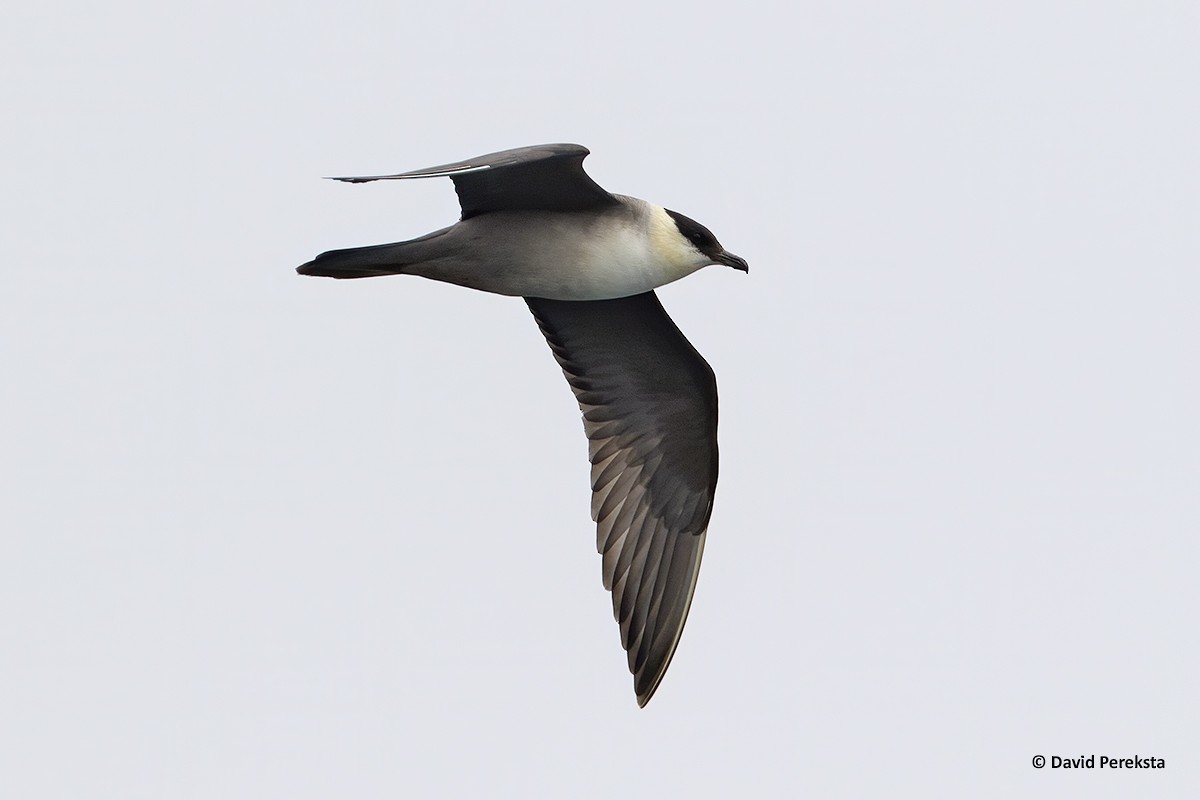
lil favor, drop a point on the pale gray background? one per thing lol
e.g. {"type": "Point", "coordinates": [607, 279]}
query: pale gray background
{"type": "Point", "coordinates": [267, 536]}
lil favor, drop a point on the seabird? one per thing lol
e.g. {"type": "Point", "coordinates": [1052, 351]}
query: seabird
{"type": "Point", "coordinates": [534, 225]}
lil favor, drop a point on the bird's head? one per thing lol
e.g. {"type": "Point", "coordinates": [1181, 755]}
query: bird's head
{"type": "Point", "coordinates": [698, 242]}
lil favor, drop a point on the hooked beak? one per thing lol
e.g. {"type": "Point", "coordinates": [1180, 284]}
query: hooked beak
{"type": "Point", "coordinates": [730, 260]}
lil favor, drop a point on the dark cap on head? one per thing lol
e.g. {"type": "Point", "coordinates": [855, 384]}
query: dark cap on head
{"type": "Point", "coordinates": [705, 242]}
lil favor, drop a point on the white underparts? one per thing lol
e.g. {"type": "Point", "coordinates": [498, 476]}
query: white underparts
{"type": "Point", "coordinates": [563, 255]}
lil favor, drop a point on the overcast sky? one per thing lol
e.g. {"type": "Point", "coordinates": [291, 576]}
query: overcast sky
{"type": "Point", "coordinates": [271, 536]}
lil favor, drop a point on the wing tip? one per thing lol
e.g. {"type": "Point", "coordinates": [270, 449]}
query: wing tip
{"type": "Point", "coordinates": [644, 696]}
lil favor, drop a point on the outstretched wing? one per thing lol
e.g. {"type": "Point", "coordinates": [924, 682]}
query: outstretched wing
{"type": "Point", "coordinates": [649, 403]}
{"type": "Point", "coordinates": [547, 177]}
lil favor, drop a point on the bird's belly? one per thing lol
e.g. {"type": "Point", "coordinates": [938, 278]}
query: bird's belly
{"type": "Point", "coordinates": [592, 277]}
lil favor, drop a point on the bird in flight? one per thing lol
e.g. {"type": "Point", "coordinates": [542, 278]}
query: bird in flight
{"type": "Point", "coordinates": [534, 225]}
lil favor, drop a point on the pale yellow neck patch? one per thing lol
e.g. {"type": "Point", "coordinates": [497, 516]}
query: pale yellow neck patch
{"type": "Point", "coordinates": [668, 245]}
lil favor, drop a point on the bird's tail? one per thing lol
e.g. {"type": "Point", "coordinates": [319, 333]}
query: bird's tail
{"type": "Point", "coordinates": [357, 262]}
{"type": "Point", "coordinates": [368, 262]}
